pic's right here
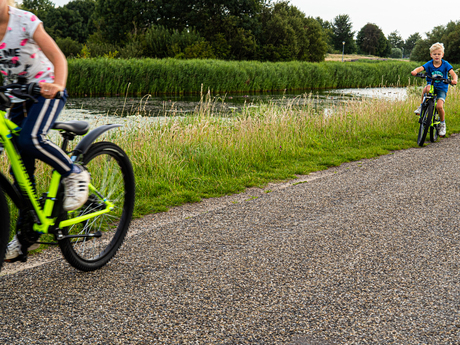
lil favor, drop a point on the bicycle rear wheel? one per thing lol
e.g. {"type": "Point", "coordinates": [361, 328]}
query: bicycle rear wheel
{"type": "Point", "coordinates": [4, 227]}
{"type": "Point", "coordinates": [425, 122]}
{"type": "Point", "coordinates": [113, 179]}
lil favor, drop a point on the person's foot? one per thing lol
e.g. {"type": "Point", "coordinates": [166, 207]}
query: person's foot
{"type": "Point", "coordinates": [15, 252]}
{"type": "Point", "coordinates": [76, 188]}
{"type": "Point", "coordinates": [442, 129]}
{"type": "Point", "coordinates": [418, 110]}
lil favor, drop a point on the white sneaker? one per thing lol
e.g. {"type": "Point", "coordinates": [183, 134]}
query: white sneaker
{"type": "Point", "coordinates": [442, 129]}
{"type": "Point", "coordinates": [76, 189]}
{"type": "Point", "coordinates": [14, 249]}
{"type": "Point", "coordinates": [418, 110]}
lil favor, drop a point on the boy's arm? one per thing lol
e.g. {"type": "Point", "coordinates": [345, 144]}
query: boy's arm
{"type": "Point", "coordinates": [417, 70]}
{"type": "Point", "coordinates": [454, 77]}
{"type": "Point", "coordinates": [57, 58]}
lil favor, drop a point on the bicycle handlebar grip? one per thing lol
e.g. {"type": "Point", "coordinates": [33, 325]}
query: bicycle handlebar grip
{"type": "Point", "coordinates": [34, 89]}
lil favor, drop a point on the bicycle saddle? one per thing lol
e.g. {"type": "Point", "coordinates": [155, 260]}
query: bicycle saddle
{"type": "Point", "coordinates": [76, 127]}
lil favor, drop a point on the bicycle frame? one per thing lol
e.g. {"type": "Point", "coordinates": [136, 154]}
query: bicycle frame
{"type": "Point", "coordinates": [431, 95]}
{"type": "Point", "coordinates": [43, 216]}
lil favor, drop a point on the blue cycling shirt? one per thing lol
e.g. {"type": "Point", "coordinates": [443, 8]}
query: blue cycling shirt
{"type": "Point", "coordinates": [442, 71]}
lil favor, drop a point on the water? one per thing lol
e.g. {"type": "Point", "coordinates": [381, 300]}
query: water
{"type": "Point", "coordinates": [87, 107]}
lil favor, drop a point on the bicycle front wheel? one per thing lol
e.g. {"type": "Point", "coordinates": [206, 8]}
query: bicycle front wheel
{"type": "Point", "coordinates": [113, 180]}
{"type": "Point", "coordinates": [425, 122]}
{"type": "Point", "coordinates": [434, 130]}
{"type": "Point", "coordinates": [4, 227]}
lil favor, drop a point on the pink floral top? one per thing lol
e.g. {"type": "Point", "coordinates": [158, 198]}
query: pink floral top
{"type": "Point", "coordinates": [20, 56]}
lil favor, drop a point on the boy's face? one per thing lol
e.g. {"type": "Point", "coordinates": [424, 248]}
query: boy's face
{"type": "Point", "coordinates": [437, 55]}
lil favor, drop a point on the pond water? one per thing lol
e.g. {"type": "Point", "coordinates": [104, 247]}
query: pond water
{"type": "Point", "coordinates": [226, 104]}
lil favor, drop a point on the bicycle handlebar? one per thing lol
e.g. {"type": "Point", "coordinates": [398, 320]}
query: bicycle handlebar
{"type": "Point", "coordinates": [444, 80]}
{"type": "Point", "coordinates": [24, 91]}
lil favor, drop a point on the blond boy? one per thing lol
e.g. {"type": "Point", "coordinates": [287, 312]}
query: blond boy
{"type": "Point", "coordinates": [437, 67]}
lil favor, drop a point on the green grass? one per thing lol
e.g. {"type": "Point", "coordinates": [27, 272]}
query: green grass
{"type": "Point", "coordinates": [180, 160]}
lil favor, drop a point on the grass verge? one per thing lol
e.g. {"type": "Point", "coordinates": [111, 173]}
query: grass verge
{"type": "Point", "coordinates": [180, 160]}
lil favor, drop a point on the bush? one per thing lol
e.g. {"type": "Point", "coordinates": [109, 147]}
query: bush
{"type": "Point", "coordinates": [396, 53]}
{"type": "Point", "coordinates": [69, 47]}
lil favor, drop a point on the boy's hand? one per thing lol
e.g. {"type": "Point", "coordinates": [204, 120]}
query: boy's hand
{"type": "Point", "coordinates": [453, 82]}
{"type": "Point", "coordinates": [413, 72]}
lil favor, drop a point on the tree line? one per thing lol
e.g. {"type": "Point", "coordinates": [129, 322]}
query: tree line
{"type": "Point", "coordinates": [222, 29]}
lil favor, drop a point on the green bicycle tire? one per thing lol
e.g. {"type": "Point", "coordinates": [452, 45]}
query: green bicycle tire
{"type": "Point", "coordinates": [112, 175]}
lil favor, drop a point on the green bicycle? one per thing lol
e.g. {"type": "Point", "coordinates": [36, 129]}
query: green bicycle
{"type": "Point", "coordinates": [429, 117]}
{"type": "Point", "coordinates": [89, 236]}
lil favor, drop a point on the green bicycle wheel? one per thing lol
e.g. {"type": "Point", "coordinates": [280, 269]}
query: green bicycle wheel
{"type": "Point", "coordinates": [425, 122]}
{"type": "Point", "coordinates": [113, 179]}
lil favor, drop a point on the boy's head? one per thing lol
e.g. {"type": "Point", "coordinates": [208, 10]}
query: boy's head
{"type": "Point", "coordinates": [437, 51]}
{"type": "Point", "coordinates": [12, 3]}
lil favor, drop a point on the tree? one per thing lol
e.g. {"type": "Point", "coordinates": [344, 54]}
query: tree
{"type": "Point", "coordinates": [395, 40]}
{"type": "Point", "coordinates": [342, 33]}
{"type": "Point", "coordinates": [409, 44]}
{"type": "Point", "coordinates": [328, 33]}
{"type": "Point", "coordinates": [289, 35]}
{"type": "Point", "coordinates": [37, 6]}
{"type": "Point", "coordinates": [448, 34]}
{"type": "Point", "coordinates": [115, 19]}
{"type": "Point", "coordinates": [85, 10]}
{"type": "Point", "coordinates": [372, 41]}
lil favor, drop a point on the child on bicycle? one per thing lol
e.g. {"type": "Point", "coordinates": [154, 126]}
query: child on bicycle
{"type": "Point", "coordinates": [437, 67]}
{"type": "Point", "coordinates": [28, 54]}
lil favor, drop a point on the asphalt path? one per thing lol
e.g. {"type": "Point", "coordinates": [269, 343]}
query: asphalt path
{"type": "Point", "coordinates": [365, 253]}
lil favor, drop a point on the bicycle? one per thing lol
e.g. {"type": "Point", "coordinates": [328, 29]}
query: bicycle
{"type": "Point", "coordinates": [89, 236]}
{"type": "Point", "coordinates": [429, 117]}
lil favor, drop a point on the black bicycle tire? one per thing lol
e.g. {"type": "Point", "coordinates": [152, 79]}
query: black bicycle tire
{"type": "Point", "coordinates": [67, 245]}
{"type": "Point", "coordinates": [434, 134]}
{"type": "Point", "coordinates": [425, 117]}
{"type": "Point", "coordinates": [4, 227]}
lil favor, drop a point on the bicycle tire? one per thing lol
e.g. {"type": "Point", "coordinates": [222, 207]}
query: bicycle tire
{"type": "Point", "coordinates": [4, 227]}
{"type": "Point", "coordinates": [425, 117]}
{"type": "Point", "coordinates": [112, 176]}
{"type": "Point", "coordinates": [434, 131]}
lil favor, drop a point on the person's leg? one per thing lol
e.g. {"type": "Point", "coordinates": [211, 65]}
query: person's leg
{"type": "Point", "coordinates": [440, 100]}
{"type": "Point", "coordinates": [33, 143]}
{"type": "Point", "coordinates": [426, 89]}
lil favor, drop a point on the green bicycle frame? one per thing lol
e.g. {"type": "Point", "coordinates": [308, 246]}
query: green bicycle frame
{"type": "Point", "coordinates": [432, 95]}
{"type": "Point", "coordinates": [44, 219]}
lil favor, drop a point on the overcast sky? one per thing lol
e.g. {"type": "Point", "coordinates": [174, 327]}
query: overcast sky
{"type": "Point", "coordinates": [406, 16]}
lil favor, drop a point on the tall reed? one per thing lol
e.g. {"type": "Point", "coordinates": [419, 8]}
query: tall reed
{"type": "Point", "coordinates": [104, 76]}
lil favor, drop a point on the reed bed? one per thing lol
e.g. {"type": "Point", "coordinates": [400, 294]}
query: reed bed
{"type": "Point", "coordinates": [105, 76]}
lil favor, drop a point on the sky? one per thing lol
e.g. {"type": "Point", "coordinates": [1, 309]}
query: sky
{"type": "Point", "coordinates": [405, 16]}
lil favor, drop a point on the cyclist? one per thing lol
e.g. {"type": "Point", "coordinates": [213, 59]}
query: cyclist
{"type": "Point", "coordinates": [437, 67]}
{"type": "Point", "coordinates": [28, 54]}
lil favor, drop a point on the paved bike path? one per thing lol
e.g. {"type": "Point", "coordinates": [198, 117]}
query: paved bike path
{"type": "Point", "coordinates": [368, 253]}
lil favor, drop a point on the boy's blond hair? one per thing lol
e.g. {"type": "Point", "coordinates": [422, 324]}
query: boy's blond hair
{"type": "Point", "coordinates": [12, 3]}
{"type": "Point", "coordinates": [437, 46]}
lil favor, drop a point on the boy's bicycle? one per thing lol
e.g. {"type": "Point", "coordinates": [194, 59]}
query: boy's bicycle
{"type": "Point", "coordinates": [89, 236]}
{"type": "Point", "coordinates": [429, 117]}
